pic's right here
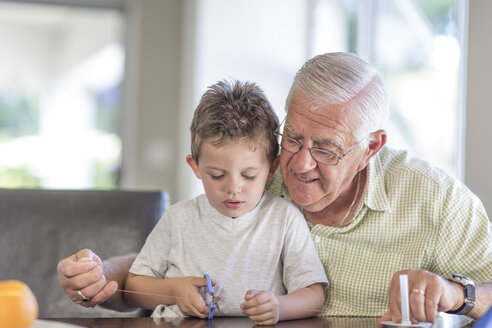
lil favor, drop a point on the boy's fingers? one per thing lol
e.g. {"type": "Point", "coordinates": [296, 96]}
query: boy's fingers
{"type": "Point", "coordinates": [257, 309]}
{"type": "Point", "coordinates": [263, 319]}
{"type": "Point", "coordinates": [200, 311]}
{"type": "Point", "coordinates": [251, 294]}
{"type": "Point", "coordinates": [249, 305]}
{"type": "Point", "coordinates": [251, 300]}
{"type": "Point", "coordinates": [200, 282]}
{"type": "Point", "coordinates": [197, 307]}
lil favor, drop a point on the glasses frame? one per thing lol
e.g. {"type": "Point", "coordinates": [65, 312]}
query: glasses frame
{"type": "Point", "coordinates": [312, 149]}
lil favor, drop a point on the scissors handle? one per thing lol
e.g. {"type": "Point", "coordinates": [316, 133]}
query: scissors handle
{"type": "Point", "coordinates": [210, 289]}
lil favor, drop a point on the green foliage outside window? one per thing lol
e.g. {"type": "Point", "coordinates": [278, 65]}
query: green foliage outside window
{"type": "Point", "coordinates": [19, 116]}
{"type": "Point", "coordinates": [18, 177]}
{"type": "Point", "coordinates": [438, 13]}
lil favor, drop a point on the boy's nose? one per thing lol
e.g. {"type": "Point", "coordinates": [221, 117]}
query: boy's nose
{"type": "Point", "coordinates": [234, 186]}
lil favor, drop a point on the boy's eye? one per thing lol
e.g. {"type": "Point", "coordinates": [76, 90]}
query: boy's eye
{"type": "Point", "coordinates": [249, 177]}
{"type": "Point", "coordinates": [216, 177]}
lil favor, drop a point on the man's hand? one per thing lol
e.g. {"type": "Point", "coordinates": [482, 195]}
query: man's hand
{"type": "Point", "coordinates": [84, 272]}
{"type": "Point", "coordinates": [263, 307]}
{"type": "Point", "coordinates": [429, 293]}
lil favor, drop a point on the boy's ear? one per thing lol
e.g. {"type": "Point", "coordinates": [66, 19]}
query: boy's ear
{"type": "Point", "coordinates": [274, 166]}
{"type": "Point", "coordinates": [193, 164]}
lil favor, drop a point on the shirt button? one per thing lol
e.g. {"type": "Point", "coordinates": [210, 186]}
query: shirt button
{"type": "Point", "coordinates": [317, 239]}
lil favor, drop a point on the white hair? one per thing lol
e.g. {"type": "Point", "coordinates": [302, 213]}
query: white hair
{"type": "Point", "coordinates": [344, 79]}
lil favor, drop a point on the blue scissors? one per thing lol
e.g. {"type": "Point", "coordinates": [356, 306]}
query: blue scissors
{"type": "Point", "coordinates": [213, 303]}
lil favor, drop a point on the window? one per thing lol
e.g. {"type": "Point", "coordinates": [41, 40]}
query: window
{"type": "Point", "coordinates": [60, 79]}
{"type": "Point", "coordinates": [415, 45]}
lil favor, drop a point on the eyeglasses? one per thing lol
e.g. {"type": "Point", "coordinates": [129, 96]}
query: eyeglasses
{"type": "Point", "coordinates": [322, 156]}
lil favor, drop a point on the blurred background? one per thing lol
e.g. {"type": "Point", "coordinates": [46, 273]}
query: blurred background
{"type": "Point", "coordinates": [100, 94]}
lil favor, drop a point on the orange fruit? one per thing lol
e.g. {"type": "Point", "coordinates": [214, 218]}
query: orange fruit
{"type": "Point", "coordinates": [18, 305]}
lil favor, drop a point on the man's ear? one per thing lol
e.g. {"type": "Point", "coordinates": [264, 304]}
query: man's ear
{"type": "Point", "coordinates": [193, 164]}
{"type": "Point", "coordinates": [274, 166]}
{"type": "Point", "coordinates": [376, 142]}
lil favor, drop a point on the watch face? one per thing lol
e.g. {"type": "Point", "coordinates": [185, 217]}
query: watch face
{"type": "Point", "coordinates": [458, 276]}
{"type": "Point", "coordinates": [461, 279]}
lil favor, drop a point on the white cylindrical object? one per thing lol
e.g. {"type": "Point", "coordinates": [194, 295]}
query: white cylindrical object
{"type": "Point", "coordinates": [405, 309]}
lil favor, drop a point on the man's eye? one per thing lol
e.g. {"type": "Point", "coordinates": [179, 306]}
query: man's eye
{"type": "Point", "coordinates": [325, 153]}
{"type": "Point", "coordinates": [290, 142]}
{"type": "Point", "coordinates": [216, 177]}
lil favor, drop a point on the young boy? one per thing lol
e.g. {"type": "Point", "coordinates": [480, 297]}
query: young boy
{"type": "Point", "coordinates": [256, 247]}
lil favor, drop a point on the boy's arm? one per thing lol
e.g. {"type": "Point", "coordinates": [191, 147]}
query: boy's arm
{"type": "Point", "coordinates": [265, 308]}
{"type": "Point", "coordinates": [149, 292]}
{"type": "Point", "coordinates": [302, 303]}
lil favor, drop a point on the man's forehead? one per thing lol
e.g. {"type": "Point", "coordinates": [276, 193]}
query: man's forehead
{"type": "Point", "coordinates": [338, 122]}
{"type": "Point", "coordinates": [325, 140]}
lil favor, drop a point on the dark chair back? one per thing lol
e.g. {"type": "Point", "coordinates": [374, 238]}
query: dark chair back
{"type": "Point", "coordinates": [38, 228]}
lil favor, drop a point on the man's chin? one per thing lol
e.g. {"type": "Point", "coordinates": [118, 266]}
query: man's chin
{"type": "Point", "coordinates": [301, 200]}
{"type": "Point", "coordinates": [303, 192]}
{"type": "Point", "coordinates": [308, 204]}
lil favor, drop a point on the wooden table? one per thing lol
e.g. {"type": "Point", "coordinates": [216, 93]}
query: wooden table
{"type": "Point", "coordinates": [444, 321]}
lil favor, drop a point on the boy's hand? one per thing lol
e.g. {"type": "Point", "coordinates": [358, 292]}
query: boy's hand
{"type": "Point", "coordinates": [261, 306]}
{"type": "Point", "coordinates": [188, 298]}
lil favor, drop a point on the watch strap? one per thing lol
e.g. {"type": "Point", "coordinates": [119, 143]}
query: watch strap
{"type": "Point", "coordinates": [469, 291]}
{"type": "Point", "coordinates": [464, 309]}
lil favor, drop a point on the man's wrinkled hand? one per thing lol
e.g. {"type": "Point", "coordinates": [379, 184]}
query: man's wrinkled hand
{"type": "Point", "coordinates": [428, 294]}
{"type": "Point", "coordinates": [83, 272]}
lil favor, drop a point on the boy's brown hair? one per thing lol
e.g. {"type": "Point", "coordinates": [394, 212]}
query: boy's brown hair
{"type": "Point", "coordinates": [229, 111]}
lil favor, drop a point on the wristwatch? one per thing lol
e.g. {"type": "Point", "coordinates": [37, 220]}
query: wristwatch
{"type": "Point", "coordinates": [469, 287]}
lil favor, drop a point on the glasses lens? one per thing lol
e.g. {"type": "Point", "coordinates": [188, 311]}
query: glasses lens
{"type": "Point", "coordinates": [291, 145]}
{"type": "Point", "coordinates": [324, 156]}
{"type": "Point", "coordinates": [320, 155]}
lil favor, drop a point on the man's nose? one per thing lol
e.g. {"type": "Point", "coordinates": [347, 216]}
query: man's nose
{"type": "Point", "coordinates": [303, 161]}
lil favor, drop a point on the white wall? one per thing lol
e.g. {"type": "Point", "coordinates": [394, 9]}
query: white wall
{"type": "Point", "coordinates": [478, 151]}
{"type": "Point", "coordinates": [151, 94]}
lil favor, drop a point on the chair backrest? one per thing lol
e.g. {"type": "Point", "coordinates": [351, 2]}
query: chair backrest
{"type": "Point", "coordinates": [38, 228]}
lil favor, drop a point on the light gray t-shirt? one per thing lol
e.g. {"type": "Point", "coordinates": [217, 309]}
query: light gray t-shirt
{"type": "Point", "coordinates": [268, 248]}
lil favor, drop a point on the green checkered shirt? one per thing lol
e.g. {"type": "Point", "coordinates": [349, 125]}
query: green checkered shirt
{"type": "Point", "coordinates": [412, 216]}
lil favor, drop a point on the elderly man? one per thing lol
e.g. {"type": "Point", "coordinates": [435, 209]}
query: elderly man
{"type": "Point", "coordinates": [374, 213]}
